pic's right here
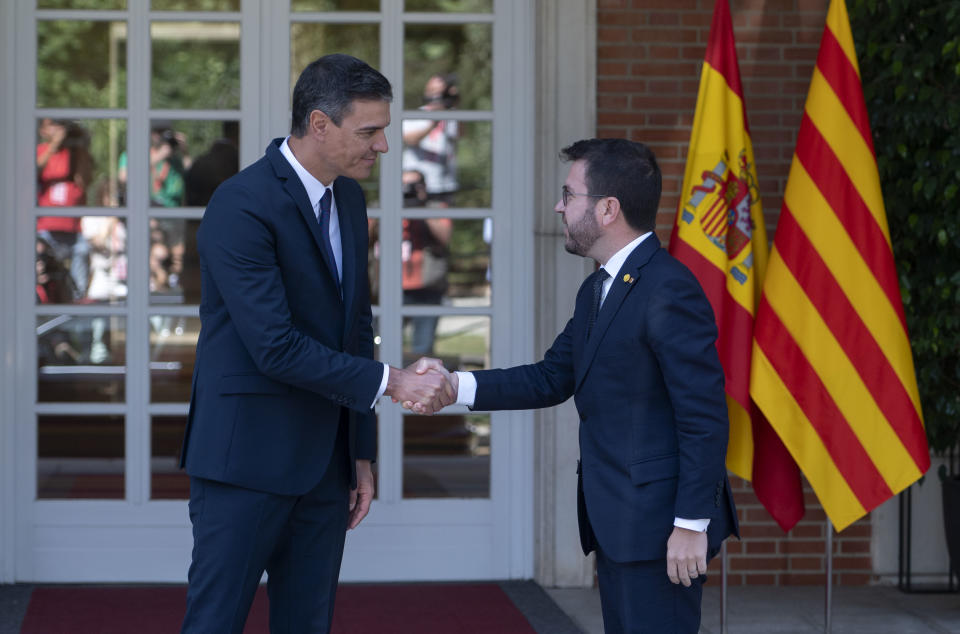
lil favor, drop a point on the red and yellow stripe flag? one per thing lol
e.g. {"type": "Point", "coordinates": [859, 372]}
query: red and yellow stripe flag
{"type": "Point", "coordinates": [720, 235]}
{"type": "Point", "coordinates": [832, 368]}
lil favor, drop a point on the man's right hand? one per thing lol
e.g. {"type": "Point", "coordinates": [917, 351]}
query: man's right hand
{"type": "Point", "coordinates": [420, 390]}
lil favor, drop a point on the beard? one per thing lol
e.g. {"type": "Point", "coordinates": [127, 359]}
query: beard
{"type": "Point", "coordinates": [582, 235]}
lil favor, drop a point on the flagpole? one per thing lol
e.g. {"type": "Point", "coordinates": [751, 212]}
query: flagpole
{"type": "Point", "coordinates": [829, 589]}
{"type": "Point", "coordinates": [723, 588]}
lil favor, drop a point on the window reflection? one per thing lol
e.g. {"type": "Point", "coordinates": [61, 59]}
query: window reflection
{"type": "Point", "coordinates": [195, 5]}
{"type": "Point", "coordinates": [173, 345]}
{"type": "Point", "coordinates": [461, 342]}
{"type": "Point", "coordinates": [188, 160]}
{"type": "Point", "coordinates": [167, 481]}
{"type": "Point", "coordinates": [81, 4]}
{"type": "Point", "coordinates": [335, 5]}
{"type": "Point", "coordinates": [81, 64]}
{"type": "Point", "coordinates": [471, 6]}
{"type": "Point", "coordinates": [77, 162]}
{"type": "Point", "coordinates": [195, 65]}
{"type": "Point", "coordinates": [446, 456]}
{"type": "Point", "coordinates": [81, 259]}
{"type": "Point", "coordinates": [174, 262]}
{"type": "Point", "coordinates": [373, 259]}
{"type": "Point", "coordinates": [463, 50]}
{"type": "Point", "coordinates": [80, 457]}
{"type": "Point", "coordinates": [446, 163]}
{"type": "Point", "coordinates": [446, 261]}
{"type": "Point", "coordinates": [81, 359]}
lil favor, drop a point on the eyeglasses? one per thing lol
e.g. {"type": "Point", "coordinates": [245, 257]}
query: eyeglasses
{"type": "Point", "coordinates": [566, 195]}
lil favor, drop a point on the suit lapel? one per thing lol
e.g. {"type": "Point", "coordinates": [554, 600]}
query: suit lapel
{"type": "Point", "coordinates": [348, 248]}
{"type": "Point", "coordinates": [619, 289]}
{"type": "Point", "coordinates": [295, 188]}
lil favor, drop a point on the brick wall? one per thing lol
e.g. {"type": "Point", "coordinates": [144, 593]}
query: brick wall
{"type": "Point", "coordinates": [649, 55]}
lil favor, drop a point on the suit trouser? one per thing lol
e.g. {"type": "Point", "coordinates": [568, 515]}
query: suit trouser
{"type": "Point", "coordinates": [238, 533]}
{"type": "Point", "coordinates": [638, 597]}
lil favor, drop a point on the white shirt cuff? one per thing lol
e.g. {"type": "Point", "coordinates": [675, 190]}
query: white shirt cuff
{"type": "Point", "coordinates": [694, 525]}
{"type": "Point", "coordinates": [467, 390]}
{"type": "Point", "coordinates": [383, 385]}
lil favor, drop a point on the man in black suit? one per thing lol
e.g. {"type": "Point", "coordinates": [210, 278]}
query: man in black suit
{"type": "Point", "coordinates": [640, 360]}
{"type": "Point", "coordinates": [281, 431]}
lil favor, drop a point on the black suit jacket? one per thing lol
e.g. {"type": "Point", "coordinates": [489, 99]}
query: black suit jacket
{"type": "Point", "coordinates": [648, 386]}
{"type": "Point", "coordinates": [282, 359]}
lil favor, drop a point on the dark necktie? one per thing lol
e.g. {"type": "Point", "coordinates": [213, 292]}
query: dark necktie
{"type": "Point", "coordinates": [325, 235]}
{"type": "Point", "coordinates": [599, 277]}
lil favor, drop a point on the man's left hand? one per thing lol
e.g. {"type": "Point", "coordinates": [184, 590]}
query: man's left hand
{"type": "Point", "coordinates": [686, 555]}
{"type": "Point", "coordinates": [361, 497]}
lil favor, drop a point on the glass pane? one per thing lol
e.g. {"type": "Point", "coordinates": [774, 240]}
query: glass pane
{"type": "Point", "coordinates": [174, 262]}
{"type": "Point", "coordinates": [468, 6]}
{"type": "Point", "coordinates": [461, 54]}
{"type": "Point", "coordinates": [195, 65]}
{"type": "Point", "coordinates": [446, 261]}
{"type": "Point", "coordinates": [335, 5]}
{"type": "Point", "coordinates": [81, 4]}
{"type": "Point", "coordinates": [373, 259]}
{"type": "Point", "coordinates": [462, 342]}
{"type": "Point", "coordinates": [446, 163]}
{"type": "Point", "coordinates": [81, 64]}
{"type": "Point", "coordinates": [188, 159]}
{"type": "Point", "coordinates": [80, 457]}
{"type": "Point", "coordinates": [81, 260]}
{"type": "Point", "coordinates": [195, 5]}
{"type": "Point", "coordinates": [78, 162]}
{"type": "Point", "coordinates": [81, 359]}
{"type": "Point", "coordinates": [167, 481]}
{"type": "Point", "coordinates": [173, 347]}
{"type": "Point", "coordinates": [446, 456]}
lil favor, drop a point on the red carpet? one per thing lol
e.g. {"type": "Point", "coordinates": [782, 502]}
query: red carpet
{"type": "Point", "coordinates": [479, 608]}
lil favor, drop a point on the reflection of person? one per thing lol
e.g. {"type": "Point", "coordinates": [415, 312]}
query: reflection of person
{"type": "Point", "coordinates": [424, 253]}
{"type": "Point", "coordinates": [281, 430]}
{"type": "Point", "coordinates": [430, 147]}
{"type": "Point", "coordinates": [64, 172]}
{"type": "Point", "coordinates": [213, 167]}
{"type": "Point", "coordinates": [653, 495]}
{"type": "Point", "coordinates": [168, 163]}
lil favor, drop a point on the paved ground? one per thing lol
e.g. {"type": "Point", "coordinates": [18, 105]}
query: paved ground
{"type": "Point", "coordinates": [755, 610]}
{"type": "Point", "coordinates": [799, 610]}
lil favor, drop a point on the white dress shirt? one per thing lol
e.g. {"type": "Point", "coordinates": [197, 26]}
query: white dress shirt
{"type": "Point", "coordinates": [315, 190]}
{"type": "Point", "coordinates": [467, 388]}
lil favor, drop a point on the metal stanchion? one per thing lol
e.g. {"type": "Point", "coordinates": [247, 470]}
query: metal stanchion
{"type": "Point", "coordinates": [828, 626]}
{"type": "Point", "coordinates": [723, 588]}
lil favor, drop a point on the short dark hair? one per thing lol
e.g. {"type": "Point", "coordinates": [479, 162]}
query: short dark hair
{"type": "Point", "coordinates": [625, 170]}
{"type": "Point", "coordinates": [331, 84]}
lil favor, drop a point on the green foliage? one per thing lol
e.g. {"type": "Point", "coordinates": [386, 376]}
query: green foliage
{"type": "Point", "coordinates": [909, 56]}
{"type": "Point", "coordinates": [81, 64]}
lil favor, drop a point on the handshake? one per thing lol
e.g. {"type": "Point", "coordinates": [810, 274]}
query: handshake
{"type": "Point", "coordinates": [424, 387]}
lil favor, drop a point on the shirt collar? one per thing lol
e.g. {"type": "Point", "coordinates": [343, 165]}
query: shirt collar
{"type": "Point", "coordinates": [313, 186]}
{"type": "Point", "coordinates": [613, 265]}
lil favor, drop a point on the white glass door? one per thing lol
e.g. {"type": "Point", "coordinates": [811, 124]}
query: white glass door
{"type": "Point", "coordinates": [132, 111]}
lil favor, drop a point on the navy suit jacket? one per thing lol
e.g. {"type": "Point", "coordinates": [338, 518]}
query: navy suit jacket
{"type": "Point", "coordinates": [282, 359]}
{"type": "Point", "coordinates": [648, 386]}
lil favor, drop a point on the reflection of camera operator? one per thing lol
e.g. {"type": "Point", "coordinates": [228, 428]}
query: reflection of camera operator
{"type": "Point", "coordinates": [168, 162]}
{"type": "Point", "coordinates": [64, 171]}
{"type": "Point", "coordinates": [430, 147]}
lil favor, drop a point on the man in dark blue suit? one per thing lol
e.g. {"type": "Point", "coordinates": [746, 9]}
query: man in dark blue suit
{"type": "Point", "coordinates": [281, 431]}
{"type": "Point", "coordinates": [640, 360]}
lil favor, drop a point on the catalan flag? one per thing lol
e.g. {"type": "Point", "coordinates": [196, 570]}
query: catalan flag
{"type": "Point", "coordinates": [720, 235]}
{"type": "Point", "coordinates": [832, 368]}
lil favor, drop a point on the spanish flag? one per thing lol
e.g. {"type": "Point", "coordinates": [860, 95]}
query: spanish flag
{"type": "Point", "coordinates": [720, 235]}
{"type": "Point", "coordinates": [832, 368]}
